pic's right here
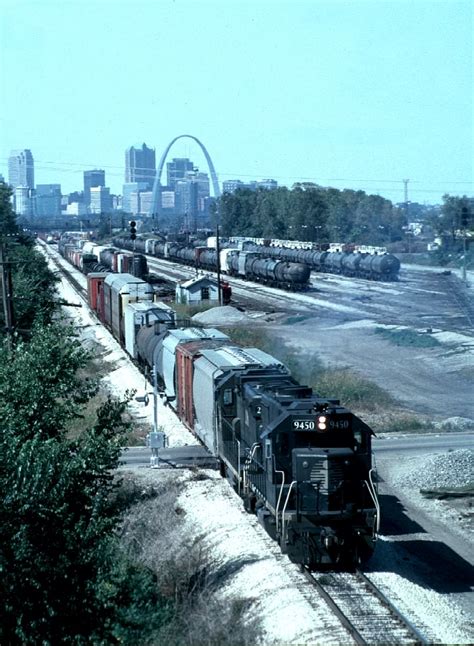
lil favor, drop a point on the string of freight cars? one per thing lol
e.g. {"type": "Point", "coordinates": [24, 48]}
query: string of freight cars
{"type": "Point", "coordinates": [302, 463]}
{"type": "Point", "coordinates": [277, 265]}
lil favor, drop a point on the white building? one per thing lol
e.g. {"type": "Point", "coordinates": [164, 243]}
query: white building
{"type": "Point", "coordinates": [22, 201]}
{"type": "Point", "coordinates": [76, 208]}
{"type": "Point", "coordinates": [101, 202]}
{"type": "Point", "coordinates": [197, 290]}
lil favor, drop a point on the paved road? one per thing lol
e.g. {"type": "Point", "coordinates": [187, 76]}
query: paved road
{"type": "Point", "coordinates": [192, 455]}
{"type": "Point", "coordinates": [423, 444]}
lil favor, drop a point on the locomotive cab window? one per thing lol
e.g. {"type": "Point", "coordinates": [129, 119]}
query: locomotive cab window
{"type": "Point", "coordinates": [227, 397]}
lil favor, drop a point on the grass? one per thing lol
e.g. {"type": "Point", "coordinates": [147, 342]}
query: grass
{"type": "Point", "coordinates": [336, 383]}
{"type": "Point", "coordinates": [408, 338]}
{"type": "Point", "coordinates": [188, 311]}
{"type": "Point", "coordinates": [187, 576]}
{"type": "Point", "coordinates": [400, 421]}
{"type": "Point", "coordinates": [352, 390]}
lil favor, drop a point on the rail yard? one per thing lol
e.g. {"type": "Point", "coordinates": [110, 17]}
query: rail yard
{"type": "Point", "coordinates": [334, 317]}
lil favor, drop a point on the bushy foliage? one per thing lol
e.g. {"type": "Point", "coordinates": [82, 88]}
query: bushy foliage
{"type": "Point", "coordinates": [40, 391]}
{"type": "Point", "coordinates": [62, 577]}
{"type": "Point", "coordinates": [33, 282]}
{"type": "Point", "coordinates": [311, 213]}
{"type": "Point", "coordinates": [408, 338]}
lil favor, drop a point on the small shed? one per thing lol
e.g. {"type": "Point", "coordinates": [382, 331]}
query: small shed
{"type": "Point", "coordinates": [200, 289]}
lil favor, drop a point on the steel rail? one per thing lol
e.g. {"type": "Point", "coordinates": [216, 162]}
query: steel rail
{"type": "Point", "coordinates": [420, 639]}
{"type": "Point", "coordinates": [345, 620]}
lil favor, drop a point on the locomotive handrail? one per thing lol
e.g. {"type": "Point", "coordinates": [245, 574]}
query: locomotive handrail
{"type": "Point", "coordinates": [284, 508]}
{"type": "Point", "coordinates": [373, 495]}
{"type": "Point", "coordinates": [279, 496]}
{"type": "Point", "coordinates": [249, 458]}
{"type": "Point", "coordinates": [238, 467]}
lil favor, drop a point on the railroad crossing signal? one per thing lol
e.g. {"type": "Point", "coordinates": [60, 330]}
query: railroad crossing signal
{"type": "Point", "coordinates": [133, 230]}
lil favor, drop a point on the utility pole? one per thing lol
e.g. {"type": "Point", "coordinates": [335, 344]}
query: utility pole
{"type": "Point", "coordinates": [405, 181]}
{"type": "Point", "coordinates": [218, 254]}
{"type": "Point", "coordinates": [7, 294]}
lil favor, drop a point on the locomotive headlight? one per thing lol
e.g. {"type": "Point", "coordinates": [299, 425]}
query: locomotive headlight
{"type": "Point", "coordinates": [321, 426]}
{"type": "Point", "coordinates": [322, 422]}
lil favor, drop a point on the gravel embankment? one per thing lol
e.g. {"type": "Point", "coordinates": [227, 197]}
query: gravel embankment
{"type": "Point", "coordinates": [440, 471]}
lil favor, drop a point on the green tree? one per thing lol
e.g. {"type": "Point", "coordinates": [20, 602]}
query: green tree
{"type": "Point", "coordinates": [40, 390]}
{"type": "Point", "coordinates": [8, 225]}
{"type": "Point", "coordinates": [62, 579]}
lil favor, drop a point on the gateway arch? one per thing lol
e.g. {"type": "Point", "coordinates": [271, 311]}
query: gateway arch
{"type": "Point", "coordinates": [156, 196]}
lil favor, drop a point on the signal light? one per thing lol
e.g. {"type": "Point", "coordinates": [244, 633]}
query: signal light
{"type": "Point", "coordinates": [464, 217]}
{"type": "Point", "coordinates": [133, 230]}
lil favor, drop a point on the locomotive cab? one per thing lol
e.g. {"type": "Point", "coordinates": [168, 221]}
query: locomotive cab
{"type": "Point", "coordinates": [302, 463]}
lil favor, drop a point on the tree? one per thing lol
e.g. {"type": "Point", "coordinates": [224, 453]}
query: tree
{"type": "Point", "coordinates": [57, 521]}
{"type": "Point", "coordinates": [8, 225]}
{"type": "Point", "coordinates": [40, 390]}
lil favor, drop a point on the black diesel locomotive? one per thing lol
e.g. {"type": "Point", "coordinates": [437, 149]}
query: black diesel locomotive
{"type": "Point", "coordinates": [301, 462]}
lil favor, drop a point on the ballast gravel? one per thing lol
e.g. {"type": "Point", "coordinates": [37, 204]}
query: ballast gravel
{"type": "Point", "coordinates": [439, 471]}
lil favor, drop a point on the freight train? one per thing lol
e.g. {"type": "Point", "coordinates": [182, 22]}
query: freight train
{"type": "Point", "coordinates": [371, 263]}
{"type": "Point", "coordinates": [302, 463]}
{"type": "Point", "coordinates": [254, 266]}
{"type": "Point", "coordinates": [90, 257]}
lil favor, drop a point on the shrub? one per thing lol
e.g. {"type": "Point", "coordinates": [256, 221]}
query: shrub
{"type": "Point", "coordinates": [408, 338]}
{"type": "Point", "coordinates": [352, 389]}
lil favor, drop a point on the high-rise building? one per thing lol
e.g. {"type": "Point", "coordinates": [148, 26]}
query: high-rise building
{"type": "Point", "coordinates": [177, 169]}
{"type": "Point", "coordinates": [130, 196]}
{"type": "Point", "coordinates": [101, 200]}
{"type": "Point", "coordinates": [145, 202]}
{"type": "Point", "coordinates": [140, 165]}
{"type": "Point", "coordinates": [21, 169]}
{"type": "Point", "coordinates": [22, 200]}
{"type": "Point", "coordinates": [48, 200]}
{"type": "Point", "coordinates": [92, 179]}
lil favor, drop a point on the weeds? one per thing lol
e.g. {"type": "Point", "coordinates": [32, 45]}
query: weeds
{"type": "Point", "coordinates": [187, 578]}
{"type": "Point", "coordinates": [352, 389]}
{"type": "Point", "coordinates": [408, 338]}
{"type": "Point", "coordinates": [401, 422]}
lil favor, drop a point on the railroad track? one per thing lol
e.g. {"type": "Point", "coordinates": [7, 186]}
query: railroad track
{"type": "Point", "coordinates": [57, 260]}
{"type": "Point", "coordinates": [363, 609]}
{"type": "Point", "coordinates": [462, 299]}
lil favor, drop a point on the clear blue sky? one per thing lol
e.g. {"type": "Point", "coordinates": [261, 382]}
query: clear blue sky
{"type": "Point", "coordinates": [356, 94]}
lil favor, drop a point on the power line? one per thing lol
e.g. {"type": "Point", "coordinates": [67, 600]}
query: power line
{"type": "Point", "coordinates": [68, 167]}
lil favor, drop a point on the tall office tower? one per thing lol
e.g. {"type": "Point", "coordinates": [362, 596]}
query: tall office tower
{"type": "Point", "coordinates": [21, 169]}
{"type": "Point", "coordinates": [48, 200]}
{"type": "Point", "coordinates": [23, 202]}
{"type": "Point", "coordinates": [130, 199]}
{"type": "Point", "coordinates": [177, 169]}
{"type": "Point", "coordinates": [101, 200]}
{"type": "Point", "coordinates": [140, 165]}
{"type": "Point", "coordinates": [92, 179]}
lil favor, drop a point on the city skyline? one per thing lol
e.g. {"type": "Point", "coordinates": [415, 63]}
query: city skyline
{"type": "Point", "coordinates": [358, 95]}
